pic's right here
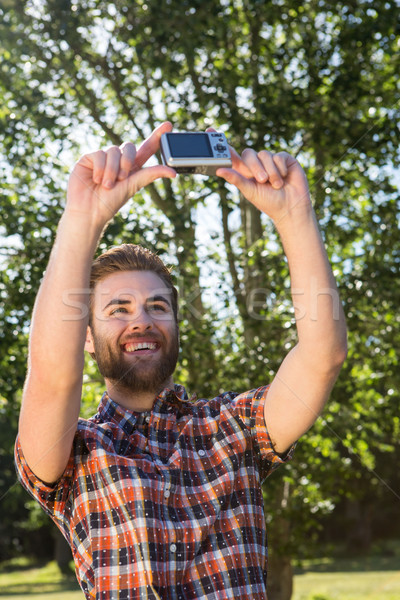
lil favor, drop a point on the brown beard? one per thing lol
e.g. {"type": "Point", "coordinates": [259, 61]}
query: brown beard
{"type": "Point", "coordinates": [143, 375]}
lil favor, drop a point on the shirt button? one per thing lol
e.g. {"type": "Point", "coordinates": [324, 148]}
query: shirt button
{"type": "Point", "coordinates": [202, 452]}
{"type": "Point", "coordinates": [167, 494]}
{"type": "Point", "coordinates": [147, 419]}
{"type": "Point", "coordinates": [172, 548]}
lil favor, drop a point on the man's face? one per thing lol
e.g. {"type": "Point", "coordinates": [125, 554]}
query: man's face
{"type": "Point", "coordinates": [134, 335]}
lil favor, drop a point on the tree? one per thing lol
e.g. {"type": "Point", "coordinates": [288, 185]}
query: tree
{"type": "Point", "coordinates": [318, 80]}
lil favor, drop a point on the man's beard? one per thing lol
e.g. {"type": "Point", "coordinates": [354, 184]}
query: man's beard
{"type": "Point", "coordinates": [144, 374]}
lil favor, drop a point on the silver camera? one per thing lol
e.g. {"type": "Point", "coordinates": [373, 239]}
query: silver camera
{"type": "Point", "coordinates": [198, 152]}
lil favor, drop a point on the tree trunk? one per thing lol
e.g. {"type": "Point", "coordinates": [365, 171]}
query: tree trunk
{"type": "Point", "coordinates": [62, 552]}
{"type": "Point", "coordinates": [198, 347]}
{"type": "Point", "coordinates": [358, 517]}
{"type": "Point", "coordinates": [280, 577]}
{"type": "Point", "coordinates": [280, 572]}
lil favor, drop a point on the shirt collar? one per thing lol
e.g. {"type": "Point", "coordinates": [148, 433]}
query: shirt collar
{"type": "Point", "coordinates": [170, 398]}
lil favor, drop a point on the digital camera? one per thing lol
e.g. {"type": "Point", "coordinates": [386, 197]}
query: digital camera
{"type": "Point", "coordinates": [195, 152]}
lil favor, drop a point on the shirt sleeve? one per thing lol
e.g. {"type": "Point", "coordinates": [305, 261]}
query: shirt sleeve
{"type": "Point", "coordinates": [249, 407]}
{"type": "Point", "coordinates": [52, 498]}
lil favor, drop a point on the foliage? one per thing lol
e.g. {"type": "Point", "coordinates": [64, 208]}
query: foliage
{"type": "Point", "coordinates": [317, 79]}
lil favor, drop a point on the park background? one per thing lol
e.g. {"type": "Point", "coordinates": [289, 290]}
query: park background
{"type": "Point", "coordinates": [318, 79]}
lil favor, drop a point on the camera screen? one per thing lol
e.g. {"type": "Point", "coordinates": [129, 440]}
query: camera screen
{"type": "Point", "coordinates": [189, 145]}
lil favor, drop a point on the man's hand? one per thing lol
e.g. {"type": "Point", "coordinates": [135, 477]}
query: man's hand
{"type": "Point", "coordinates": [274, 183]}
{"type": "Point", "coordinates": [103, 181]}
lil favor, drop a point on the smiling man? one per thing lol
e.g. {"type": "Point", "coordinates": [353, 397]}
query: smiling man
{"type": "Point", "coordinates": [159, 495]}
{"type": "Point", "coordinates": [133, 329]}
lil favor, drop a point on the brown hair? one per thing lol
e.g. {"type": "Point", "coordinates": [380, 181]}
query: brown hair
{"type": "Point", "coordinates": [131, 257]}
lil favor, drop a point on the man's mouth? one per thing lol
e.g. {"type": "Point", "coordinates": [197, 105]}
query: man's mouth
{"type": "Point", "coordinates": [140, 347]}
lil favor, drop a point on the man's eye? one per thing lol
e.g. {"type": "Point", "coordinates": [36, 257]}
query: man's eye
{"type": "Point", "coordinates": [118, 310]}
{"type": "Point", "coordinates": [158, 307]}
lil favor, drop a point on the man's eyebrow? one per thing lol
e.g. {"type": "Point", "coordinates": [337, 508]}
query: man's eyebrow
{"type": "Point", "coordinates": [117, 301]}
{"type": "Point", "coordinates": [121, 302]}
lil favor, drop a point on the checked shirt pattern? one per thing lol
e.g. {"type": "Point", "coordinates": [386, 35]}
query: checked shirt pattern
{"type": "Point", "coordinates": [166, 504]}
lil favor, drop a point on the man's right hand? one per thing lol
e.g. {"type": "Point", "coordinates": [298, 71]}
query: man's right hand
{"type": "Point", "coordinates": [103, 181]}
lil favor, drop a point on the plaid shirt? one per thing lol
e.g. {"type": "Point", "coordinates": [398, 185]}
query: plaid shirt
{"type": "Point", "coordinates": [166, 504]}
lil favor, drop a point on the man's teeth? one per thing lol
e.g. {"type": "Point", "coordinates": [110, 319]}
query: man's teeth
{"type": "Point", "coordinates": [140, 346]}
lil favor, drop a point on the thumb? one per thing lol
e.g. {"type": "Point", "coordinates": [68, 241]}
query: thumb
{"type": "Point", "coordinates": [147, 175]}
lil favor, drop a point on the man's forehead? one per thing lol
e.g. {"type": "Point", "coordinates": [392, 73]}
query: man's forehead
{"type": "Point", "coordinates": [131, 285]}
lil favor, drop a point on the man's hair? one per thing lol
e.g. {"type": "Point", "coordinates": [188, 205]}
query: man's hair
{"type": "Point", "coordinates": [131, 257]}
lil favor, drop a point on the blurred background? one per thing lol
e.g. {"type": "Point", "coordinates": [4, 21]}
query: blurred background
{"type": "Point", "coordinates": [318, 79]}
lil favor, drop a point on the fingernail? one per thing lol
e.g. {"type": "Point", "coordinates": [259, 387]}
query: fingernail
{"type": "Point", "coordinates": [122, 175]}
{"type": "Point", "coordinates": [109, 184]}
{"type": "Point", "coordinates": [277, 184]}
{"type": "Point", "coordinates": [262, 176]}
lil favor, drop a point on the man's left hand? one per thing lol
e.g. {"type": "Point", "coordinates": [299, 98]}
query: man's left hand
{"type": "Point", "coordinates": [275, 183]}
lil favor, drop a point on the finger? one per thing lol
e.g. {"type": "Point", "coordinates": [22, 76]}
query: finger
{"type": "Point", "coordinates": [96, 161]}
{"type": "Point", "coordinates": [111, 170]}
{"type": "Point", "coordinates": [152, 144]}
{"type": "Point", "coordinates": [281, 160]}
{"type": "Point", "coordinates": [263, 167]}
{"type": "Point", "coordinates": [127, 162]}
{"type": "Point", "coordinates": [143, 177]}
{"type": "Point", "coordinates": [239, 165]}
{"type": "Point", "coordinates": [256, 167]}
{"type": "Point", "coordinates": [267, 160]}
{"type": "Point", "coordinates": [244, 184]}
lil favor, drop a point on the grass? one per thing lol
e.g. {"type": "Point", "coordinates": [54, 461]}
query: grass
{"type": "Point", "coordinates": [21, 579]}
{"type": "Point", "coordinates": [372, 585]}
{"type": "Point", "coordinates": [374, 577]}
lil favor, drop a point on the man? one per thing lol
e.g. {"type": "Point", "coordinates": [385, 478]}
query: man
{"type": "Point", "coordinates": [160, 495]}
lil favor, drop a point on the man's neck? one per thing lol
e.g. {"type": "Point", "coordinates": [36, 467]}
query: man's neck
{"type": "Point", "coordinates": [135, 401]}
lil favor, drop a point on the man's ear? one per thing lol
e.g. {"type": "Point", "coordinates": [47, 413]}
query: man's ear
{"type": "Point", "coordinates": [89, 345]}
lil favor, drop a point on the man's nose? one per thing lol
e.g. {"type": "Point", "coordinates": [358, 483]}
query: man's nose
{"type": "Point", "coordinates": [140, 320]}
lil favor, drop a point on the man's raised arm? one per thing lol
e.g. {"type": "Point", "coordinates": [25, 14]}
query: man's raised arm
{"type": "Point", "coordinates": [276, 185]}
{"type": "Point", "coordinates": [99, 186]}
